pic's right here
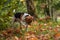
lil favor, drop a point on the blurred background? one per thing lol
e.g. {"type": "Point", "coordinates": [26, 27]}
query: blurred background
{"type": "Point", "coordinates": [42, 8]}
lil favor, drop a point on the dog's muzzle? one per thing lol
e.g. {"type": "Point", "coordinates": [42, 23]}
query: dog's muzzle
{"type": "Point", "coordinates": [29, 19]}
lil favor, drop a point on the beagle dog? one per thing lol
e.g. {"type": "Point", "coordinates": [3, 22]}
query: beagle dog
{"type": "Point", "coordinates": [24, 19]}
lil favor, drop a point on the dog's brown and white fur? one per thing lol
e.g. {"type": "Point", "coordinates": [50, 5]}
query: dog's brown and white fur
{"type": "Point", "coordinates": [23, 18]}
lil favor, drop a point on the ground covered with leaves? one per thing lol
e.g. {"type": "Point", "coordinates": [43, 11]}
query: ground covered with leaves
{"type": "Point", "coordinates": [39, 30]}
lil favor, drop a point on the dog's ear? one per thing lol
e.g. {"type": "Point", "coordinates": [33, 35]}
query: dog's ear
{"type": "Point", "coordinates": [28, 19]}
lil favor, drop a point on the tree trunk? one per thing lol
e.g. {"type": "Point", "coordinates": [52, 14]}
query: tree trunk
{"type": "Point", "coordinates": [49, 8]}
{"type": "Point", "coordinates": [31, 8]}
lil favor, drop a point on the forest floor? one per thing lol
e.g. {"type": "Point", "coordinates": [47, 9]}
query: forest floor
{"type": "Point", "coordinates": [38, 30]}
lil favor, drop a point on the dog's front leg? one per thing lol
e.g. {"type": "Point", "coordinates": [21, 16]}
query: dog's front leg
{"type": "Point", "coordinates": [26, 27]}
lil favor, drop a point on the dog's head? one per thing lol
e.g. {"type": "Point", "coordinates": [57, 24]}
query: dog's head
{"type": "Point", "coordinates": [28, 19]}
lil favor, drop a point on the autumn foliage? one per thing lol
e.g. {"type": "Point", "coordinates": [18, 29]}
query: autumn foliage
{"type": "Point", "coordinates": [36, 31]}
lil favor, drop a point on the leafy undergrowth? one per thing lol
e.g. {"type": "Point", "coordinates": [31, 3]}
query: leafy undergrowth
{"type": "Point", "coordinates": [39, 30]}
